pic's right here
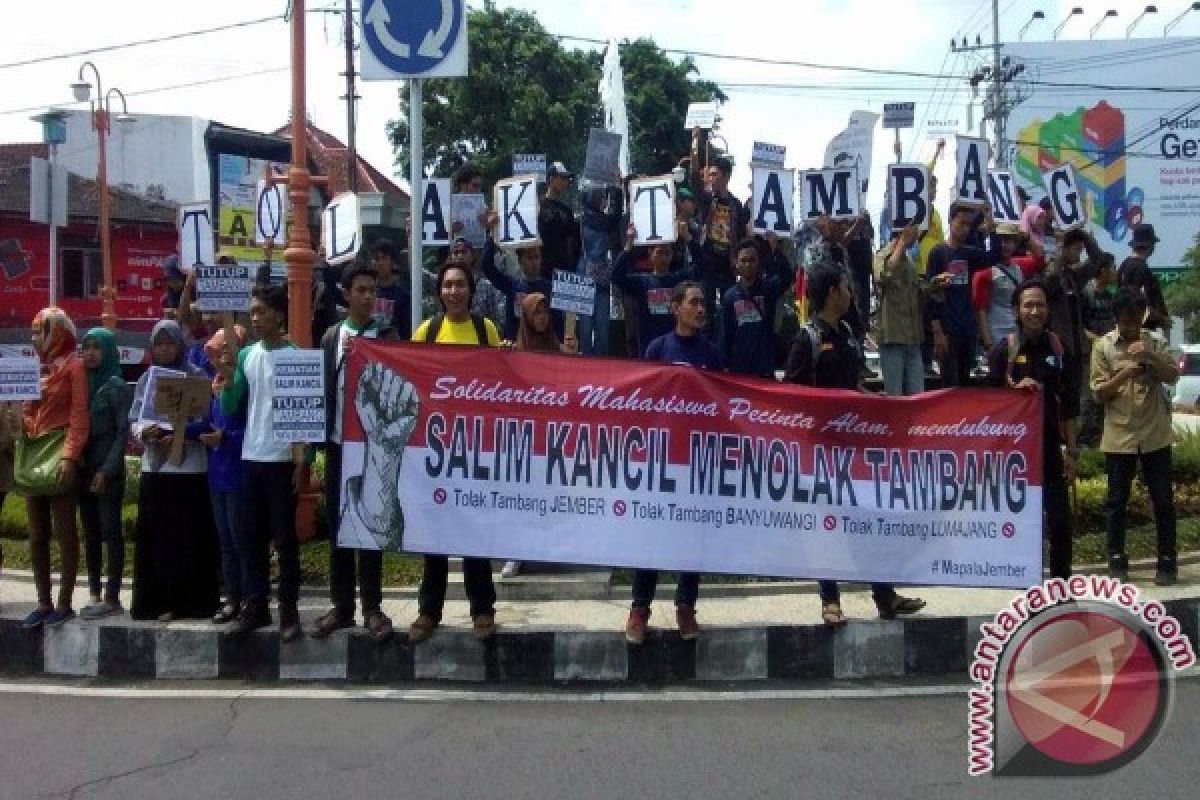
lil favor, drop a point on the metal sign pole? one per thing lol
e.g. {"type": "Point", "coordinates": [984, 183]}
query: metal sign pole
{"type": "Point", "coordinates": [53, 226]}
{"type": "Point", "coordinates": [416, 201]}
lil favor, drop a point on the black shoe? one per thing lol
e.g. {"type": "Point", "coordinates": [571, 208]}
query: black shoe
{"type": "Point", "coordinates": [289, 625]}
{"type": "Point", "coordinates": [1118, 567]}
{"type": "Point", "coordinates": [1167, 573]}
{"type": "Point", "coordinates": [251, 618]}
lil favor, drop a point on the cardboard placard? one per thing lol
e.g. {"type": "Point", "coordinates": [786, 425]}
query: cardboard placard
{"type": "Point", "coordinates": [435, 213]}
{"type": "Point", "coordinates": [530, 164]}
{"type": "Point", "coordinates": [603, 163]}
{"type": "Point", "coordinates": [298, 395]}
{"type": "Point", "coordinates": [908, 196]}
{"type": "Point", "coordinates": [701, 115]}
{"type": "Point", "coordinates": [516, 203]}
{"type": "Point", "coordinates": [177, 398]}
{"type": "Point", "coordinates": [768, 155]}
{"type": "Point", "coordinates": [652, 209]}
{"type": "Point", "coordinates": [774, 200]}
{"type": "Point", "coordinates": [829, 192]}
{"type": "Point", "coordinates": [573, 293]}
{"type": "Point", "coordinates": [20, 378]}
{"type": "Point", "coordinates": [465, 209]}
{"type": "Point", "coordinates": [971, 170]}
{"type": "Point", "coordinates": [223, 288]}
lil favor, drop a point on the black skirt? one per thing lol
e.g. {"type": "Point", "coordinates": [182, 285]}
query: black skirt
{"type": "Point", "coordinates": [176, 558]}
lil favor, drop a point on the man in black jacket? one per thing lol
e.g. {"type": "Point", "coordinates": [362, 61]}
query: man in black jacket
{"type": "Point", "coordinates": [1135, 271]}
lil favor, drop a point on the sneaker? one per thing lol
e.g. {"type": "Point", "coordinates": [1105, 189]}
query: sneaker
{"type": "Point", "coordinates": [685, 619]}
{"type": "Point", "coordinates": [511, 569]}
{"type": "Point", "coordinates": [37, 617]}
{"type": "Point", "coordinates": [58, 617]}
{"type": "Point", "coordinates": [227, 613]}
{"type": "Point", "coordinates": [379, 625]}
{"type": "Point", "coordinates": [484, 626]}
{"type": "Point", "coordinates": [635, 626]}
{"type": "Point", "coordinates": [251, 618]}
{"type": "Point", "coordinates": [332, 620]}
{"type": "Point", "coordinates": [101, 610]}
{"type": "Point", "coordinates": [422, 628]}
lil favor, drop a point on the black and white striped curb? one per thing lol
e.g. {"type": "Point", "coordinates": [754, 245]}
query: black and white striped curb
{"type": "Point", "coordinates": [862, 650]}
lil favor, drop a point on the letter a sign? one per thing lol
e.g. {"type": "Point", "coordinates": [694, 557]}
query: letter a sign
{"type": "Point", "coordinates": [435, 217]}
{"type": "Point", "coordinates": [774, 201]}
{"type": "Point", "coordinates": [972, 170]}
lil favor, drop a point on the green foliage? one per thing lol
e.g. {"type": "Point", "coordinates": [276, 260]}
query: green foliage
{"type": "Point", "coordinates": [1183, 295]}
{"type": "Point", "coordinates": [1185, 457]}
{"type": "Point", "coordinates": [527, 93]}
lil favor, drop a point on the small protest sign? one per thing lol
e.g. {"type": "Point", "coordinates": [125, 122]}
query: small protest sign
{"type": "Point", "coordinates": [195, 235]}
{"type": "Point", "coordinates": [1002, 190]}
{"type": "Point", "coordinates": [768, 155]}
{"type": "Point", "coordinates": [298, 395]}
{"type": "Point", "coordinates": [530, 164]}
{"type": "Point", "coordinates": [465, 210]}
{"type": "Point", "coordinates": [177, 398]}
{"type": "Point", "coordinates": [149, 412]}
{"type": "Point", "coordinates": [971, 170]}
{"type": "Point", "coordinates": [20, 378]}
{"type": "Point", "coordinates": [223, 288]}
{"type": "Point", "coordinates": [899, 115]}
{"type": "Point", "coordinates": [652, 209]}
{"type": "Point", "coordinates": [908, 196]}
{"type": "Point", "coordinates": [573, 293]}
{"type": "Point", "coordinates": [701, 115]}
{"type": "Point", "coordinates": [342, 221]}
{"type": "Point", "coordinates": [1063, 190]}
{"type": "Point", "coordinates": [516, 202]}
{"type": "Point", "coordinates": [774, 200]}
{"type": "Point", "coordinates": [603, 163]}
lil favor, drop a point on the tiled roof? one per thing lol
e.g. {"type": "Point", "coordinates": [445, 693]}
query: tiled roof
{"type": "Point", "coordinates": [328, 155]}
{"type": "Point", "coordinates": [83, 198]}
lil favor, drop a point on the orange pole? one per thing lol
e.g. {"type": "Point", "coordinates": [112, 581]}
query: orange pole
{"type": "Point", "coordinates": [299, 255]}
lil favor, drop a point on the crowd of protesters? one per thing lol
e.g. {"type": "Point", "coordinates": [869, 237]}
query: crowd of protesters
{"type": "Point", "coordinates": [1015, 306]}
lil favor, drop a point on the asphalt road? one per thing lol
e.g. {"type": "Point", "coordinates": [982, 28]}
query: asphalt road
{"type": "Point", "coordinates": [232, 748]}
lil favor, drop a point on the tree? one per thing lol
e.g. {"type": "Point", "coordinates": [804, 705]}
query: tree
{"type": "Point", "coordinates": [1183, 295]}
{"type": "Point", "coordinates": [526, 93]}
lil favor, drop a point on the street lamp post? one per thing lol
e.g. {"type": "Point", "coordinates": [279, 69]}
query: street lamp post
{"type": "Point", "coordinates": [1179, 19]}
{"type": "Point", "coordinates": [1147, 10]}
{"type": "Point", "coordinates": [1112, 12]}
{"type": "Point", "coordinates": [1076, 11]}
{"type": "Point", "coordinates": [1036, 16]}
{"type": "Point", "coordinates": [101, 124]}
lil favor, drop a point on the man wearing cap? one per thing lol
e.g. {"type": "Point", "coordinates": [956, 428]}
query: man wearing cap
{"type": "Point", "coordinates": [992, 289]}
{"type": "Point", "coordinates": [1135, 271]}
{"type": "Point", "coordinates": [556, 223]}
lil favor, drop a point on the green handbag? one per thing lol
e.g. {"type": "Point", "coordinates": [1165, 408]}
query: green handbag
{"type": "Point", "coordinates": [36, 462]}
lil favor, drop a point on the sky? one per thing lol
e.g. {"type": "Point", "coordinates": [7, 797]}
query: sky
{"type": "Point", "coordinates": [240, 77]}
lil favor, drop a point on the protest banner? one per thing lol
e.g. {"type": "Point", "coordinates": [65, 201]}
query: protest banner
{"type": "Point", "coordinates": [908, 196]}
{"type": "Point", "coordinates": [652, 209]}
{"type": "Point", "coordinates": [603, 163]}
{"type": "Point", "coordinates": [899, 115]}
{"type": "Point", "coordinates": [177, 397]}
{"type": "Point", "coordinates": [971, 168]}
{"type": "Point", "coordinates": [1002, 192]}
{"type": "Point", "coordinates": [773, 201]}
{"type": "Point", "coordinates": [573, 293]}
{"type": "Point", "coordinates": [465, 210]}
{"type": "Point", "coordinates": [829, 193]}
{"type": "Point", "coordinates": [20, 378]}
{"type": "Point", "coordinates": [516, 203]}
{"type": "Point", "coordinates": [195, 235]}
{"type": "Point", "coordinates": [342, 234]}
{"type": "Point", "coordinates": [223, 288]}
{"type": "Point", "coordinates": [1063, 191]}
{"type": "Point", "coordinates": [768, 155]}
{"type": "Point", "coordinates": [298, 395]}
{"type": "Point", "coordinates": [700, 115]}
{"type": "Point", "coordinates": [852, 148]}
{"type": "Point", "coordinates": [530, 164]}
{"type": "Point", "coordinates": [475, 452]}
{"type": "Point", "coordinates": [435, 214]}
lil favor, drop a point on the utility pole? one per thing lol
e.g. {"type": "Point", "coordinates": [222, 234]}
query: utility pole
{"type": "Point", "coordinates": [1000, 125]}
{"type": "Point", "coordinates": [351, 98]}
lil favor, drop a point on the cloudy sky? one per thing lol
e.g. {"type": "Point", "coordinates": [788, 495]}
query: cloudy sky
{"type": "Point", "coordinates": [239, 76]}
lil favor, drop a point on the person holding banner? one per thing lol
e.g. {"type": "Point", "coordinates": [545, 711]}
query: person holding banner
{"type": "Point", "coordinates": [273, 473]}
{"type": "Point", "coordinates": [456, 325]}
{"type": "Point", "coordinates": [652, 293]}
{"type": "Point", "coordinates": [175, 554]}
{"type": "Point", "coordinates": [748, 315]}
{"type": "Point", "coordinates": [514, 290]}
{"type": "Point", "coordinates": [102, 487]}
{"type": "Point", "coordinates": [55, 428]}
{"type": "Point", "coordinates": [949, 271]}
{"type": "Point", "coordinates": [686, 344]}
{"type": "Point", "coordinates": [826, 355]}
{"type": "Point", "coordinates": [359, 291]}
{"type": "Point", "coordinates": [1031, 360]}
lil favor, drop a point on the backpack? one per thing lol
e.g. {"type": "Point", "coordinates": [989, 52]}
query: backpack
{"type": "Point", "coordinates": [435, 326]}
{"type": "Point", "coordinates": [816, 339]}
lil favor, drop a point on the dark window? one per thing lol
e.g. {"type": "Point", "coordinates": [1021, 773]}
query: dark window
{"type": "Point", "coordinates": [82, 272]}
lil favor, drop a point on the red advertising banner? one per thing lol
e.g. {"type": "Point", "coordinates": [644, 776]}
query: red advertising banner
{"type": "Point", "coordinates": [478, 452]}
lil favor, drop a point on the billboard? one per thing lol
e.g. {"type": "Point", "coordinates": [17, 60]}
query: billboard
{"type": "Point", "coordinates": [237, 180]}
{"type": "Point", "coordinates": [1125, 115]}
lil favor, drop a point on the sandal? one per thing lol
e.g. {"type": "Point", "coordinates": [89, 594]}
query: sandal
{"type": "Point", "coordinates": [831, 615]}
{"type": "Point", "coordinates": [901, 605]}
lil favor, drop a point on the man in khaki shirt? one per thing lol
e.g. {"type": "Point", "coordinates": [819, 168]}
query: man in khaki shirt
{"type": "Point", "coordinates": [900, 316]}
{"type": "Point", "coordinates": [1129, 369]}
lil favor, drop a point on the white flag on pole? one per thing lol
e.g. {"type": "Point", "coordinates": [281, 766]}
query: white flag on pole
{"type": "Point", "coordinates": [851, 149]}
{"type": "Point", "coordinates": [612, 97]}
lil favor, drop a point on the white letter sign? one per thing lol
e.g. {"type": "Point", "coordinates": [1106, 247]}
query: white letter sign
{"type": "Point", "coordinates": [516, 202]}
{"type": "Point", "coordinates": [774, 200]}
{"type": "Point", "coordinates": [195, 235]}
{"type": "Point", "coordinates": [1002, 191]}
{"type": "Point", "coordinates": [343, 229]}
{"type": "Point", "coordinates": [1064, 197]}
{"type": "Point", "coordinates": [908, 196]}
{"type": "Point", "coordinates": [435, 216]}
{"type": "Point", "coordinates": [971, 170]}
{"type": "Point", "coordinates": [829, 193]}
{"type": "Point", "coordinates": [270, 213]}
{"type": "Point", "coordinates": [652, 209]}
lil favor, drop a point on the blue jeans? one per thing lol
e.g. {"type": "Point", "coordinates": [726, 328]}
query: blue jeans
{"type": "Point", "coordinates": [227, 513]}
{"type": "Point", "coordinates": [593, 330]}
{"type": "Point", "coordinates": [903, 370]}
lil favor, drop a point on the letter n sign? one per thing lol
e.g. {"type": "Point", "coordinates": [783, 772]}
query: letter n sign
{"type": "Point", "coordinates": [516, 202]}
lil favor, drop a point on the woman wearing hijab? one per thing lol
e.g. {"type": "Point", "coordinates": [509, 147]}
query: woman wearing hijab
{"type": "Point", "coordinates": [175, 551]}
{"type": "Point", "coordinates": [63, 406]}
{"type": "Point", "coordinates": [535, 334]}
{"type": "Point", "coordinates": [102, 483]}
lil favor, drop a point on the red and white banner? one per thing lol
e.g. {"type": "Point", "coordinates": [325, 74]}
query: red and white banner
{"type": "Point", "coordinates": [467, 451]}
